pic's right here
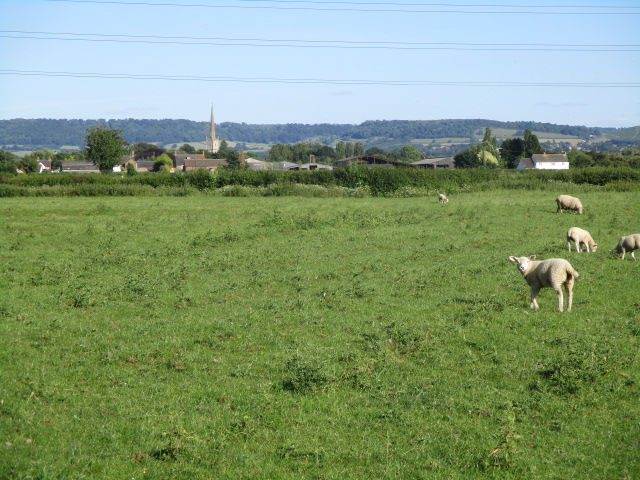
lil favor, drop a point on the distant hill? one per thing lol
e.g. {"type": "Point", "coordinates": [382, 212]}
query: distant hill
{"type": "Point", "coordinates": [442, 135]}
{"type": "Point", "coordinates": [631, 134]}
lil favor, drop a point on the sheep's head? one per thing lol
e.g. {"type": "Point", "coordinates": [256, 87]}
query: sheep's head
{"type": "Point", "coordinates": [522, 262]}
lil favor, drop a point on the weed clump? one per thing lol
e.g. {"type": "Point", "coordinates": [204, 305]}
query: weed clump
{"type": "Point", "coordinates": [576, 367]}
{"type": "Point", "coordinates": [303, 376]}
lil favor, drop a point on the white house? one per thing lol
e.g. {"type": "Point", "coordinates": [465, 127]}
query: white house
{"type": "Point", "coordinates": [44, 165]}
{"type": "Point", "coordinates": [545, 161]}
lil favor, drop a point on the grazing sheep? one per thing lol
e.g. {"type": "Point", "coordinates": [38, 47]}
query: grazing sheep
{"type": "Point", "coordinates": [628, 243]}
{"type": "Point", "coordinates": [567, 202]}
{"type": "Point", "coordinates": [578, 236]}
{"type": "Point", "coordinates": [442, 198]}
{"type": "Point", "coordinates": [547, 273]}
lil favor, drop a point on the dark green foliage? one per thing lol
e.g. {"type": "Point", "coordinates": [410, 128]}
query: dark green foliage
{"type": "Point", "coordinates": [131, 170]}
{"type": "Point", "coordinates": [8, 163]}
{"type": "Point", "coordinates": [280, 152]}
{"type": "Point", "coordinates": [511, 150]}
{"type": "Point", "coordinates": [105, 147]}
{"type": "Point", "coordinates": [144, 150]}
{"type": "Point", "coordinates": [28, 164]}
{"type": "Point", "coordinates": [201, 179]}
{"type": "Point", "coordinates": [376, 152]}
{"type": "Point", "coordinates": [531, 144]}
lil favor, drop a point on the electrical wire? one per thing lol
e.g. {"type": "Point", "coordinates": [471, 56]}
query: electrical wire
{"type": "Point", "coordinates": [350, 7]}
{"type": "Point", "coordinates": [320, 81]}
{"type": "Point", "coordinates": [339, 44]}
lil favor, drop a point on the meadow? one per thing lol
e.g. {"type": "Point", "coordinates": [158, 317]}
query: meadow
{"type": "Point", "coordinates": [319, 338]}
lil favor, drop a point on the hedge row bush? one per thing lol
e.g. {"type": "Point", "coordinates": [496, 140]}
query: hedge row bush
{"type": "Point", "coordinates": [338, 182]}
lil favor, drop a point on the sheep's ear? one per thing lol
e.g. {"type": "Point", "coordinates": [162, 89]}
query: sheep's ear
{"type": "Point", "coordinates": [513, 259]}
{"type": "Point", "coordinates": [532, 257]}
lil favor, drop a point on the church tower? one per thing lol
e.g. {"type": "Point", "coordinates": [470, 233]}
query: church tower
{"type": "Point", "coordinates": [213, 144]}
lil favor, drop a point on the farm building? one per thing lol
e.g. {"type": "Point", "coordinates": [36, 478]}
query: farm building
{"type": "Point", "coordinates": [78, 167]}
{"type": "Point", "coordinates": [207, 164]}
{"type": "Point", "coordinates": [144, 165]}
{"type": "Point", "coordinates": [545, 161]}
{"type": "Point", "coordinates": [255, 164]}
{"type": "Point", "coordinates": [312, 165]}
{"type": "Point", "coordinates": [180, 158]}
{"type": "Point", "coordinates": [370, 161]}
{"type": "Point", "coordinates": [440, 162]}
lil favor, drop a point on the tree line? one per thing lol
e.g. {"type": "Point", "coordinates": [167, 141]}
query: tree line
{"type": "Point", "coordinates": [55, 134]}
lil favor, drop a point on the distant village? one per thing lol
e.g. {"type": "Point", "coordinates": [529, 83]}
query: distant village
{"type": "Point", "coordinates": [197, 161]}
{"type": "Point", "coordinates": [185, 162]}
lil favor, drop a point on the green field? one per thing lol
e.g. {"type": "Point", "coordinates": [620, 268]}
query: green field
{"type": "Point", "coordinates": [317, 338]}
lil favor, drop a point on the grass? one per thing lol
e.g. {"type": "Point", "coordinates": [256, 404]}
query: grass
{"type": "Point", "coordinates": [212, 337]}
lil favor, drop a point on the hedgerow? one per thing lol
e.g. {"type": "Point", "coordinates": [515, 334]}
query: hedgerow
{"type": "Point", "coordinates": [351, 181]}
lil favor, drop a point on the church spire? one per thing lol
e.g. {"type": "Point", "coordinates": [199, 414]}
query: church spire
{"type": "Point", "coordinates": [212, 126]}
{"type": "Point", "coordinates": [213, 144]}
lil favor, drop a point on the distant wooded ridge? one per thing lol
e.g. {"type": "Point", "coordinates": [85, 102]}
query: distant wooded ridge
{"type": "Point", "coordinates": [52, 133]}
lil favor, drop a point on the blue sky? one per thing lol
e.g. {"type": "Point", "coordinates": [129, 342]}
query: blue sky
{"type": "Point", "coordinates": [286, 61]}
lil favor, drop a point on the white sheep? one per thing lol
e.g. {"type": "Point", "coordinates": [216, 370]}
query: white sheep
{"type": "Point", "coordinates": [567, 202]}
{"type": "Point", "coordinates": [578, 236]}
{"type": "Point", "coordinates": [553, 273]}
{"type": "Point", "coordinates": [442, 198]}
{"type": "Point", "coordinates": [628, 243]}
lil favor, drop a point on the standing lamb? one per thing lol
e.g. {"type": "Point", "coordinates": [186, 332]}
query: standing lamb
{"type": "Point", "coordinates": [548, 273]}
{"type": "Point", "coordinates": [442, 198]}
{"type": "Point", "coordinates": [578, 236]}
{"type": "Point", "coordinates": [628, 243]}
{"type": "Point", "coordinates": [567, 202]}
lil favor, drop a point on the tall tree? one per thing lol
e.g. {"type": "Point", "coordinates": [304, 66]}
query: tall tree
{"type": "Point", "coordinates": [8, 162]}
{"type": "Point", "coordinates": [233, 159]}
{"type": "Point", "coordinates": [376, 152]}
{"type": "Point", "coordinates": [348, 149]}
{"type": "Point", "coordinates": [280, 152]}
{"type": "Point", "coordinates": [146, 150]}
{"type": "Point", "coordinates": [29, 164]}
{"type": "Point", "coordinates": [105, 147]}
{"type": "Point", "coordinates": [480, 155]}
{"type": "Point", "coordinates": [511, 150]}
{"type": "Point", "coordinates": [488, 139]}
{"type": "Point", "coordinates": [301, 152]}
{"type": "Point", "coordinates": [531, 144]}
{"type": "Point", "coordinates": [410, 154]}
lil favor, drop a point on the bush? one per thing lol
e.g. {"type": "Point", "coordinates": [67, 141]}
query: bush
{"type": "Point", "coordinates": [201, 179]}
{"type": "Point", "coordinates": [131, 170]}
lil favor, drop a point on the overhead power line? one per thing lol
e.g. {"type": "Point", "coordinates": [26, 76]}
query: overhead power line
{"type": "Point", "coordinates": [320, 81]}
{"type": "Point", "coordinates": [392, 7]}
{"type": "Point", "coordinates": [340, 44]}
